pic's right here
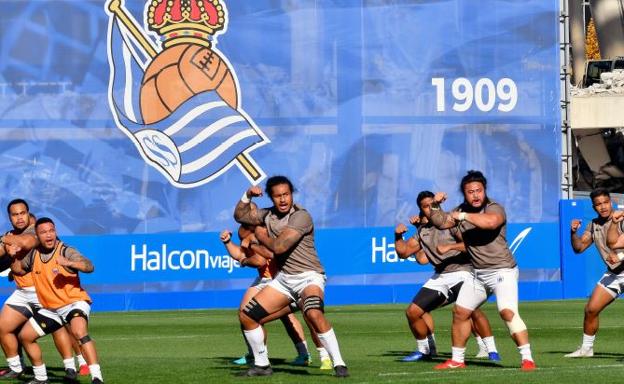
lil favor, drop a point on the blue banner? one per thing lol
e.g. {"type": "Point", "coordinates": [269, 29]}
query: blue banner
{"type": "Point", "coordinates": [138, 137]}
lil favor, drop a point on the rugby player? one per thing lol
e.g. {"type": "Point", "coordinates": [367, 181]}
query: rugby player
{"type": "Point", "coordinates": [262, 259]}
{"type": "Point", "coordinates": [599, 232]}
{"type": "Point", "coordinates": [483, 225]}
{"type": "Point", "coordinates": [288, 232]}
{"type": "Point", "coordinates": [445, 251]}
{"type": "Point", "coordinates": [51, 264]}
{"type": "Point", "coordinates": [22, 303]}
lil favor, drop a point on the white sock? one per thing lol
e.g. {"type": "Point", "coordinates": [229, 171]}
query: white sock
{"type": "Point", "coordinates": [302, 348]}
{"type": "Point", "coordinates": [40, 372]}
{"type": "Point", "coordinates": [15, 364]}
{"type": "Point", "coordinates": [255, 338]}
{"type": "Point", "coordinates": [69, 363]}
{"type": "Point", "coordinates": [490, 344]}
{"type": "Point", "coordinates": [322, 353]}
{"type": "Point", "coordinates": [329, 341]}
{"type": "Point", "coordinates": [96, 372]}
{"type": "Point", "coordinates": [423, 346]}
{"type": "Point", "coordinates": [588, 341]}
{"type": "Point", "coordinates": [525, 352]}
{"type": "Point", "coordinates": [458, 354]}
{"type": "Point", "coordinates": [81, 360]}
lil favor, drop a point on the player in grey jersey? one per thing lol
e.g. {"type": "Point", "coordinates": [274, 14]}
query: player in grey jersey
{"type": "Point", "coordinates": [483, 225]}
{"type": "Point", "coordinates": [599, 232]}
{"type": "Point", "coordinates": [288, 231]}
{"type": "Point", "coordinates": [446, 252]}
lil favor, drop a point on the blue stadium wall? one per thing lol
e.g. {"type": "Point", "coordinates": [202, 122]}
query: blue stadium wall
{"type": "Point", "coordinates": [361, 103]}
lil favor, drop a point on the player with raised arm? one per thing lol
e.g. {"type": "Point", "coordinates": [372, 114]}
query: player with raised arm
{"type": "Point", "coordinates": [482, 223]}
{"type": "Point", "coordinates": [288, 232]}
{"type": "Point", "coordinates": [250, 253]}
{"type": "Point", "coordinates": [445, 251]}
{"type": "Point", "coordinates": [54, 267]}
{"type": "Point", "coordinates": [599, 232]}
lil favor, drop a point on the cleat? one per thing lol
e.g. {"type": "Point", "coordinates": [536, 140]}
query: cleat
{"type": "Point", "coordinates": [582, 352]}
{"type": "Point", "coordinates": [341, 371]}
{"type": "Point", "coordinates": [482, 353]}
{"type": "Point", "coordinates": [84, 370]}
{"type": "Point", "coordinates": [494, 356]}
{"type": "Point", "coordinates": [415, 356]}
{"type": "Point", "coordinates": [257, 371]}
{"type": "Point", "coordinates": [302, 360]}
{"type": "Point", "coordinates": [70, 376]}
{"type": "Point", "coordinates": [97, 381]}
{"type": "Point", "coordinates": [326, 364]}
{"type": "Point", "coordinates": [243, 360]}
{"type": "Point", "coordinates": [450, 364]}
{"type": "Point", "coordinates": [9, 374]}
{"type": "Point", "coordinates": [528, 365]}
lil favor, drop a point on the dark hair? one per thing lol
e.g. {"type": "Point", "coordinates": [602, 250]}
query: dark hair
{"type": "Point", "coordinates": [599, 192]}
{"type": "Point", "coordinates": [277, 180]}
{"type": "Point", "coordinates": [472, 176]}
{"type": "Point", "coordinates": [15, 202]}
{"type": "Point", "coordinates": [422, 196]}
{"type": "Point", "coordinates": [43, 220]}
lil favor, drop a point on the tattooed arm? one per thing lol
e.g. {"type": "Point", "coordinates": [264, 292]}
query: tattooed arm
{"type": "Point", "coordinates": [246, 212]}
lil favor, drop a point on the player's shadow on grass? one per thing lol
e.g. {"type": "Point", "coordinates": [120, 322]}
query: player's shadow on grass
{"type": "Point", "coordinates": [440, 358]}
{"type": "Point", "coordinates": [279, 366]}
{"type": "Point", "coordinates": [597, 355]}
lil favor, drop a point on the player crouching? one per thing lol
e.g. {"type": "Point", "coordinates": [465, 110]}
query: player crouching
{"type": "Point", "coordinates": [55, 268]}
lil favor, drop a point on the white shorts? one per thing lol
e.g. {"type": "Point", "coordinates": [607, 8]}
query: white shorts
{"type": "Point", "coordinates": [23, 300]}
{"type": "Point", "coordinates": [614, 284]}
{"type": "Point", "coordinates": [502, 282]}
{"type": "Point", "coordinates": [260, 282]}
{"type": "Point", "coordinates": [291, 286]}
{"type": "Point", "coordinates": [49, 320]}
{"type": "Point", "coordinates": [443, 282]}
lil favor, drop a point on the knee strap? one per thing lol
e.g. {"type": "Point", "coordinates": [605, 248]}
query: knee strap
{"type": "Point", "coordinates": [313, 302]}
{"type": "Point", "coordinates": [516, 324]}
{"type": "Point", "coordinates": [84, 340]}
{"type": "Point", "coordinates": [255, 311]}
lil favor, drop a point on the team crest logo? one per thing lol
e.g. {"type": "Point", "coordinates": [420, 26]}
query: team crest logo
{"type": "Point", "coordinates": [175, 95]}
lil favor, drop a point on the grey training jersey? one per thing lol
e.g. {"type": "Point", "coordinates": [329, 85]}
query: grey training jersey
{"type": "Point", "coordinates": [303, 256]}
{"type": "Point", "coordinates": [487, 247]}
{"type": "Point", "coordinates": [429, 237]}
{"type": "Point", "coordinates": [598, 229]}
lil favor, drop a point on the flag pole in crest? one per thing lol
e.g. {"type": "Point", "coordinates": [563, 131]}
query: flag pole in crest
{"type": "Point", "coordinates": [245, 162]}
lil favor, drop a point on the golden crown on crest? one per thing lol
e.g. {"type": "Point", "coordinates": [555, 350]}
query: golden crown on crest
{"type": "Point", "coordinates": [186, 21]}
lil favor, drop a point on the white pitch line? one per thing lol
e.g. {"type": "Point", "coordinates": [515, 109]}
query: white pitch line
{"type": "Point", "coordinates": [493, 372]}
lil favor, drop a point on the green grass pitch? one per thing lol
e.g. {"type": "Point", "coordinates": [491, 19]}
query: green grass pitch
{"type": "Point", "coordinates": [197, 347]}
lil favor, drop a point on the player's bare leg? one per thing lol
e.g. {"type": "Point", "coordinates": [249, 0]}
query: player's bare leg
{"type": "Point", "coordinates": [326, 362]}
{"type": "Point", "coordinates": [63, 342]}
{"type": "Point", "coordinates": [313, 308]}
{"type": "Point", "coordinates": [421, 325]}
{"type": "Point", "coordinates": [295, 332]}
{"type": "Point", "coordinates": [263, 304]}
{"type": "Point", "coordinates": [483, 334]}
{"type": "Point", "coordinates": [601, 298]}
{"type": "Point", "coordinates": [10, 321]}
{"type": "Point", "coordinates": [80, 331]}
{"type": "Point", "coordinates": [28, 336]}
